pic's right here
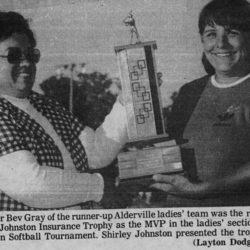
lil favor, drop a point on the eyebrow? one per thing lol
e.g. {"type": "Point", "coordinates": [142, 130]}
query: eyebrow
{"type": "Point", "coordinates": [14, 47]}
{"type": "Point", "coordinates": [209, 30]}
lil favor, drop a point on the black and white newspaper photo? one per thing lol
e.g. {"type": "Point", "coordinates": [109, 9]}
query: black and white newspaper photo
{"type": "Point", "coordinates": [124, 124]}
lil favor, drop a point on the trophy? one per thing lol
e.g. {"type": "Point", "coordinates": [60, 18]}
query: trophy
{"type": "Point", "coordinates": [153, 152]}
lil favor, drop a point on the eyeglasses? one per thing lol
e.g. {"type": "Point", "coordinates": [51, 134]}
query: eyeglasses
{"type": "Point", "coordinates": [15, 55]}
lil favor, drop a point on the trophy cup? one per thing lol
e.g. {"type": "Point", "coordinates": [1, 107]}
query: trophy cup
{"type": "Point", "coordinates": [145, 123]}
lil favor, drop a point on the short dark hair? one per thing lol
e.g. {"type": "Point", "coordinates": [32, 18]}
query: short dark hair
{"type": "Point", "coordinates": [13, 22]}
{"type": "Point", "coordinates": [232, 14]}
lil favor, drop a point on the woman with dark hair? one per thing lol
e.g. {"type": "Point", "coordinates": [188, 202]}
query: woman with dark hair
{"type": "Point", "coordinates": [46, 153]}
{"type": "Point", "coordinates": [212, 115]}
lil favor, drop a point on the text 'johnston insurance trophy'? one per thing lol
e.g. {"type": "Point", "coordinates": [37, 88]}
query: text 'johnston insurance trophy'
{"type": "Point", "coordinates": [145, 123]}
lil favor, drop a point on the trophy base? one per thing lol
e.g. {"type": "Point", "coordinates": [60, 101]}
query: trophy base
{"type": "Point", "coordinates": [147, 141]}
{"type": "Point", "coordinates": [136, 168]}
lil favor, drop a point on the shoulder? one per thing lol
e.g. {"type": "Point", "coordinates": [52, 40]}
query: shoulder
{"type": "Point", "coordinates": [195, 87]}
{"type": "Point", "coordinates": [53, 108]}
{"type": "Point", "coordinates": [8, 124]}
{"type": "Point", "coordinates": [36, 97]}
{"type": "Point", "coordinates": [41, 101]}
{"type": "Point", "coordinates": [6, 109]}
{"type": "Point", "coordinates": [190, 93]}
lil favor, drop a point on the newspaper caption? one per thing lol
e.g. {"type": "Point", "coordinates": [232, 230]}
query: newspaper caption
{"type": "Point", "coordinates": [202, 228]}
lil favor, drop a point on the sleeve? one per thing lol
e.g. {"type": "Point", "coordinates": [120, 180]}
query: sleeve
{"type": "Point", "coordinates": [103, 145]}
{"type": "Point", "coordinates": [24, 180]}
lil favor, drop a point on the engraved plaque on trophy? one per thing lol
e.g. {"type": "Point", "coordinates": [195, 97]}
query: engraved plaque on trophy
{"type": "Point", "coordinates": [145, 122]}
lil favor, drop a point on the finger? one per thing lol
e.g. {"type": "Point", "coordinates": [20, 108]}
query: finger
{"type": "Point", "coordinates": [160, 82]}
{"type": "Point", "coordinates": [141, 195]}
{"type": "Point", "coordinates": [159, 75]}
{"type": "Point", "coordinates": [162, 186]}
{"type": "Point", "coordinates": [120, 99]}
{"type": "Point", "coordinates": [163, 178]}
{"type": "Point", "coordinates": [117, 82]}
{"type": "Point", "coordinates": [117, 181]}
{"type": "Point", "coordinates": [148, 197]}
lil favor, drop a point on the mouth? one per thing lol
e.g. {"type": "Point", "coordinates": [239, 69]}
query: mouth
{"type": "Point", "coordinates": [224, 54]}
{"type": "Point", "coordinates": [23, 74]}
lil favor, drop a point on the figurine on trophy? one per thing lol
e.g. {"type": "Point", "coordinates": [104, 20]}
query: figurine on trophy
{"type": "Point", "coordinates": [130, 21]}
{"type": "Point", "coordinates": [154, 153]}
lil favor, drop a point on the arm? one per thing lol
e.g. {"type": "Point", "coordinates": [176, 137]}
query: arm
{"type": "Point", "coordinates": [178, 185]}
{"type": "Point", "coordinates": [24, 180]}
{"type": "Point", "coordinates": [235, 182]}
{"type": "Point", "coordinates": [103, 145]}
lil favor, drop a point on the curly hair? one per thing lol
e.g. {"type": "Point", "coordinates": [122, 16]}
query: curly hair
{"type": "Point", "coordinates": [13, 22]}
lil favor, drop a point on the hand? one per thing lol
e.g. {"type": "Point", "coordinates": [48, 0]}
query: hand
{"type": "Point", "coordinates": [178, 185]}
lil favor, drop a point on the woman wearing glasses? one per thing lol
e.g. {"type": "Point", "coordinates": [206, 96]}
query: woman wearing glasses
{"type": "Point", "coordinates": [212, 113]}
{"type": "Point", "coordinates": [45, 153]}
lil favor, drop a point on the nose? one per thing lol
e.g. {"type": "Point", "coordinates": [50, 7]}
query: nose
{"type": "Point", "coordinates": [24, 61]}
{"type": "Point", "coordinates": [222, 41]}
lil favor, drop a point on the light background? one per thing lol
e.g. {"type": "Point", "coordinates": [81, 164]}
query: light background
{"type": "Point", "coordinates": [76, 31]}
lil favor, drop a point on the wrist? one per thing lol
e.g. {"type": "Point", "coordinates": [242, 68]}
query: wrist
{"type": "Point", "coordinates": [196, 191]}
{"type": "Point", "coordinates": [203, 190]}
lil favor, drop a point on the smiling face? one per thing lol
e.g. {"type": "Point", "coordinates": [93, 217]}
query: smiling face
{"type": "Point", "coordinates": [16, 79]}
{"type": "Point", "coordinates": [227, 50]}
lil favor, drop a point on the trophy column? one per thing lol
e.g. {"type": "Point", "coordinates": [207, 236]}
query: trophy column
{"type": "Point", "coordinates": [141, 90]}
{"type": "Point", "coordinates": [145, 122]}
